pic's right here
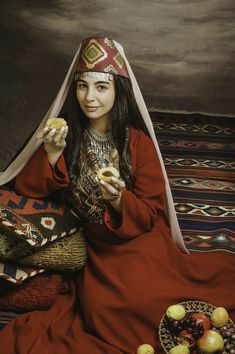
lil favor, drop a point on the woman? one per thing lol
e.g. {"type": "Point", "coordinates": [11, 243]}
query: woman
{"type": "Point", "coordinates": [134, 270]}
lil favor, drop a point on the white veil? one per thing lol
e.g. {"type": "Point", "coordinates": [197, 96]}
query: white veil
{"type": "Point", "coordinates": [17, 165]}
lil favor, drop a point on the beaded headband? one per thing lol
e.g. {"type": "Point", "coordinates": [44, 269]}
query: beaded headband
{"type": "Point", "coordinates": [94, 74]}
{"type": "Point", "coordinates": [100, 55]}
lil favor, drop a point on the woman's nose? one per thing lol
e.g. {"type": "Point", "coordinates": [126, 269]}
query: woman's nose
{"type": "Point", "coordinates": [90, 96]}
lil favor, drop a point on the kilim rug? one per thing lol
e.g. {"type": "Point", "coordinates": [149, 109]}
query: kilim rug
{"type": "Point", "coordinates": [5, 318]}
{"type": "Point", "coordinates": [199, 155]}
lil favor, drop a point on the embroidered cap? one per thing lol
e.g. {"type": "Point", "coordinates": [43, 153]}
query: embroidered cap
{"type": "Point", "coordinates": [99, 54]}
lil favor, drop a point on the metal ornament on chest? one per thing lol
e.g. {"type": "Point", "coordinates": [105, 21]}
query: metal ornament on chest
{"type": "Point", "coordinates": [102, 146]}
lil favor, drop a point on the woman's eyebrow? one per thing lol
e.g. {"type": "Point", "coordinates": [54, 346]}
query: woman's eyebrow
{"type": "Point", "coordinates": [102, 82]}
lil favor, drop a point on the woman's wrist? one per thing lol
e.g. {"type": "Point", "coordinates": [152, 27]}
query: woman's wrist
{"type": "Point", "coordinates": [116, 203]}
{"type": "Point", "coordinates": [53, 157]}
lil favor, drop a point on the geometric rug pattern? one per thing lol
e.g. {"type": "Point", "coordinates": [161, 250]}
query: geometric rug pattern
{"type": "Point", "coordinates": [199, 156]}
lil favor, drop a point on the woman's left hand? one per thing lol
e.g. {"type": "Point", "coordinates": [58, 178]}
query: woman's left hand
{"type": "Point", "coordinates": [112, 191]}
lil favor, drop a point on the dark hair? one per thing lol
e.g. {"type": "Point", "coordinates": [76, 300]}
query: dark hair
{"type": "Point", "coordinates": [124, 113]}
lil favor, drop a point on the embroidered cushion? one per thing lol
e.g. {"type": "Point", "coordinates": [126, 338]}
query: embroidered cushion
{"type": "Point", "coordinates": [17, 274]}
{"type": "Point", "coordinates": [33, 220]}
{"type": "Point", "coordinates": [66, 254]}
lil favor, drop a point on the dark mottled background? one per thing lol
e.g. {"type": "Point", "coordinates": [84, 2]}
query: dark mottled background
{"type": "Point", "coordinates": [182, 52]}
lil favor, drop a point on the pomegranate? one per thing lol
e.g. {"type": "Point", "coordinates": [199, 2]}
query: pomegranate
{"type": "Point", "coordinates": [202, 318]}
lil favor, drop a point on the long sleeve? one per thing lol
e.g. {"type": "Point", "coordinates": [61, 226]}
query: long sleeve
{"type": "Point", "coordinates": [141, 206]}
{"type": "Point", "coordinates": [38, 179]}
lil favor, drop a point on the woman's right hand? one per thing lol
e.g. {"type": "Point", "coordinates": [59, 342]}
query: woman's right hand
{"type": "Point", "coordinates": [54, 142]}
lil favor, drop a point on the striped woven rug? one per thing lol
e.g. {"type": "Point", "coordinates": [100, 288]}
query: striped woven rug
{"type": "Point", "coordinates": [199, 155]}
{"type": "Point", "coordinates": [6, 317]}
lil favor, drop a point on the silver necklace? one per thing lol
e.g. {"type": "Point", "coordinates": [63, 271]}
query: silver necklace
{"type": "Point", "coordinates": [100, 145]}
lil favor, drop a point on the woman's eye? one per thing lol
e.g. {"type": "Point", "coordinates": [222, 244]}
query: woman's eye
{"type": "Point", "coordinates": [102, 88]}
{"type": "Point", "coordinates": [81, 86]}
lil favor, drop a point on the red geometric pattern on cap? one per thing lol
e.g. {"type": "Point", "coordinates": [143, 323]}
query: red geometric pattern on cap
{"type": "Point", "coordinates": [100, 54]}
{"type": "Point", "coordinates": [93, 54]}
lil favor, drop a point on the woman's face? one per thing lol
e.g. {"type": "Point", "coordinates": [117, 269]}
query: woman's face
{"type": "Point", "coordinates": [96, 96]}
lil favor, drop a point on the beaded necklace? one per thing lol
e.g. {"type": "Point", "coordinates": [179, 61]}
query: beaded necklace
{"type": "Point", "coordinates": [102, 146]}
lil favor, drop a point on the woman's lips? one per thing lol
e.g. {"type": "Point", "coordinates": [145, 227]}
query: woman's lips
{"type": "Point", "coordinates": [91, 109]}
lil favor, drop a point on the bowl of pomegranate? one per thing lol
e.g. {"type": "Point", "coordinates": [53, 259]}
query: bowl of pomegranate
{"type": "Point", "coordinates": [196, 327]}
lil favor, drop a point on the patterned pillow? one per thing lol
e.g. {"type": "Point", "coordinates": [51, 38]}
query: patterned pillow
{"type": "Point", "coordinates": [68, 253]}
{"type": "Point", "coordinates": [17, 274]}
{"type": "Point", "coordinates": [34, 220]}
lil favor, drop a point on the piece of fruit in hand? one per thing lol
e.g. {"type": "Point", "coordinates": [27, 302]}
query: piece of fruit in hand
{"type": "Point", "coordinates": [56, 123]}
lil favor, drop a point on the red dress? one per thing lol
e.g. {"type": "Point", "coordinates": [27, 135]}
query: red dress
{"type": "Point", "coordinates": [133, 273]}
